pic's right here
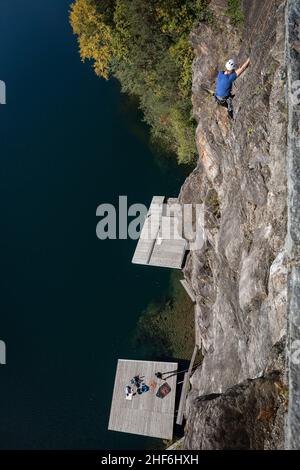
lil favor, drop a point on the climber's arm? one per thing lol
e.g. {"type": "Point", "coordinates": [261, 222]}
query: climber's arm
{"type": "Point", "coordinates": [243, 68]}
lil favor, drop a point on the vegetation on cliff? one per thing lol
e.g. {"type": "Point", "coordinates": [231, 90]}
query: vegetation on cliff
{"type": "Point", "coordinates": [144, 44]}
{"type": "Point", "coordinates": [235, 12]}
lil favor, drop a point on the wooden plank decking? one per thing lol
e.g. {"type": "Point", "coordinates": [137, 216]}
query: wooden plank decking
{"type": "Point", "coordinates": [185, 387]}
{"type": "Point", "coordinates": [161, 242]}
{"type": "Point", "coordinates": [168, 253]}
{"type": "Point", "coordinates": [145, 414]}
{"type": "Point", "coordinates": [188, 290]}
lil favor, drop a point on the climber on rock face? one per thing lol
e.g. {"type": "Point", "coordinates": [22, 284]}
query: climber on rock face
{"type": "Point", "coordinates": [224, 84]}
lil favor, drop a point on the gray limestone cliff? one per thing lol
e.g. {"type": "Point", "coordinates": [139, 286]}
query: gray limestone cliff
{"type": "Point", "coordinates": [293, 236]}
{"type": "Point", "coordinates": [238, 397]}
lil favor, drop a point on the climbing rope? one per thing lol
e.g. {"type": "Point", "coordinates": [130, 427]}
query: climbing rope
{"type": "Point", "coordinates": [160, 375]}
{"type": "Point", "coordinates": [261, 17]}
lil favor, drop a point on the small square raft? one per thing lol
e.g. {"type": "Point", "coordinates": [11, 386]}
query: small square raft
{"type": "Point", "coordinates": [146, 414]}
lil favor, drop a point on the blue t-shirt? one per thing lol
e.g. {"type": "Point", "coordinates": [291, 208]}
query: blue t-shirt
{"type": "Point", "coordinates": [224, 83]}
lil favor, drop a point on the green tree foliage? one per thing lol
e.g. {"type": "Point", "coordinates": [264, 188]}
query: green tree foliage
{"type": "Point", "coordinates": [95, 35]}
{"type": "Point", "coordinates": [235, 12]}
{"type": "Point", "coordinates": [144, 44]}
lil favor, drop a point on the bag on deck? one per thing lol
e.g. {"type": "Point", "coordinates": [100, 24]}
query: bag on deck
{"type": "Point", "coordinates": [163, 390]}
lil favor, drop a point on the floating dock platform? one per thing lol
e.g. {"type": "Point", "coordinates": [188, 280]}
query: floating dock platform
{"type": "Point", "coordinates": [145, 414]}
{"type": "Point", "coordinates": [161, 242]}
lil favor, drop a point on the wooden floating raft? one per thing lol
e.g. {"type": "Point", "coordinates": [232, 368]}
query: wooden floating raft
{"type": "Point", "coordinates": [161, 243]}
{"type": "Point", "coordinates": [185, 388]}
{"type": "Point", "coordinates": [145, 414]}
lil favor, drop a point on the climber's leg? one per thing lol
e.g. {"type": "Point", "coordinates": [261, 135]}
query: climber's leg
{"type": "Point", "coordinates": [227, 102]}
{"type": "Point", "coordinates": [230, 106]}
{"type": "Point", "coordinates": [221, 101]}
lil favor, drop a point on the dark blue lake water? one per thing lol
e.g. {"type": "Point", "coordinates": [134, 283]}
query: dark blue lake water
{"type": "Point", "coordinates": [69, 303]}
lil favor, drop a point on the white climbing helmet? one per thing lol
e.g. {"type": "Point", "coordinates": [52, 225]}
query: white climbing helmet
{"type": "Point", "coordinates": [230, 65]}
